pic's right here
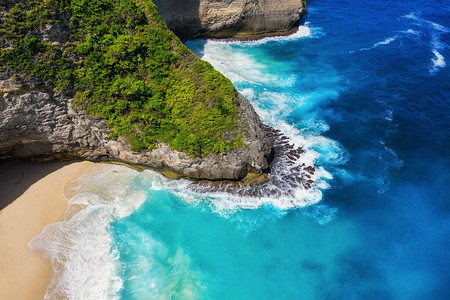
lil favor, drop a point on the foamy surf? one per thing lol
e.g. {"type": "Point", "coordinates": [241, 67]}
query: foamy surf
{"type": "Point", "coordinates": [79, 248]}
{"type": "Point", "coordinates": [426, 23]}
{"type": "Point", "coordinates": [411, 32]}
{"type": "Point", "coordinates": [302, 31]}
{"type": "Point", "coordinates": [432, 29]}
{"type": "Point", "coordinates": [261, 83]}
{"type": "Point", "coordinates": [85, 263]}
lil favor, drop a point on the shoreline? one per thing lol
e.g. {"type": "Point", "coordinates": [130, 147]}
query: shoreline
{"type": "Point", "coordinates": [26, 275]}
{"type": "Point", "coordinates": [249, 37]}
{"type": "Point", "coordinates": [23, 273]}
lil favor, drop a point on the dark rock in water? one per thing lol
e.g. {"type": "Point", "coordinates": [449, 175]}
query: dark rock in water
{"type": "Point", "coordinates": [230, 18]}
{"type": "Point", "coordinates": [283, 177]}
{"type": "Point", "coordinates": [310, 170]}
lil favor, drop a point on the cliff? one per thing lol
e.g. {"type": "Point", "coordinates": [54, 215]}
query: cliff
{"type": "Point", "coordinates": [108, 80]}
{"type": "Point", "coordinates": [41, 124]}
{"type": "Point", "coordinates": [230, 18]}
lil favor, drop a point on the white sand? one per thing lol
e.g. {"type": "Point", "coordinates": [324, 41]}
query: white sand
{"type": "Point", "coordinates": [24, 274]}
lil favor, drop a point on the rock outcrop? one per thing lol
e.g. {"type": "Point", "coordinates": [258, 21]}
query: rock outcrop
{"type": "Point", "coordinates": [37, 122]}
{"type": "Point", "coordinates": [230, 18]}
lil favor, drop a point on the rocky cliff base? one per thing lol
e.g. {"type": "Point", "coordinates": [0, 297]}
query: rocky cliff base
{"type": "Point", "coordinates": [284, 176]}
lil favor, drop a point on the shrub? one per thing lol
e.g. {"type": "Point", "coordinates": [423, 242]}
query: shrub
{"type": "Point", "coordinates": [124, 65]}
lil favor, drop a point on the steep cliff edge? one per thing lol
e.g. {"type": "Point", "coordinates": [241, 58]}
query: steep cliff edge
{"type": "Point", "coordinates": [107, 80]}
{"type": "Point", "coordinates": [230, 18]}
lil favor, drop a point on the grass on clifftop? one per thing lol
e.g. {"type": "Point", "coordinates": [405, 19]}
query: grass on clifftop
{"type": "Point", "coordinates": [126, 67]}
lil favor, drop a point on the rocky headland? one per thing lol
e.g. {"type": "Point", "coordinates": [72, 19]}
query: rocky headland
{"type": "Point", "coordinates": [40, 121]}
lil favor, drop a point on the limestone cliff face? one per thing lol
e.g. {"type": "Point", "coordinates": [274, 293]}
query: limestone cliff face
{"type": "Point", "coordinates": [37, 122]}
{"type": "Point", "coordinates": [229, 18]}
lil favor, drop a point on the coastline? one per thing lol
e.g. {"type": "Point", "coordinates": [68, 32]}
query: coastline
{"type": "Point", "coordinates": [251, 37]}
{"type": "Point", "coordinates": [24, 274]}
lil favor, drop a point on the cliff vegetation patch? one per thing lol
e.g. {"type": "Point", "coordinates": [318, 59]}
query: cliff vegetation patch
{"type": "Point", "coordinates": [124, 65]}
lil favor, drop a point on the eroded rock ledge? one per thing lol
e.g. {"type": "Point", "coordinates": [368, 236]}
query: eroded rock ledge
{"type": "Point", "coordinates": [230, 18]}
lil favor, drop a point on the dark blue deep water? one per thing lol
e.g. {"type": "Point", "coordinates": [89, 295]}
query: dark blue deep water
{"type": "Point", "coordinates": [364, 88]}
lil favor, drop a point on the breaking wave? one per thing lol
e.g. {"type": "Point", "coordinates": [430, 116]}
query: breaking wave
{"type": "Point", "coordinates": [80, 248]}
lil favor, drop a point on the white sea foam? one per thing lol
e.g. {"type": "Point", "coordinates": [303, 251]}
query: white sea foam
{"type": "Point", "coordinates": [84, 265]}
{"type": "Point", "coordinates": [387, 41]}
{"type": "Point", "coordinates": [432, 29]}
{"type": "Point", "coordinates": [241, 66]}
{"type": "Point", "coordinates": [437, 62]}
{"type": "Point", "coordinates": [389, 115]}
{"type": "Point", "coordinates": [80, 249]}
{"type": "Point", "coordinates": [426, 23]}
{"type": "Point", "coordinates": [411, 32]}
{"type": "Point", "coordinates": [242, 61]}
{"type": "Point", "coordinates": [435, 30]}
{"type": "Point", "coordinates": [303, 31]}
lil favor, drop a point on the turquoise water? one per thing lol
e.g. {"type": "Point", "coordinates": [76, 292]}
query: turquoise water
{"type": "Point", "coordinates": [363, 87]}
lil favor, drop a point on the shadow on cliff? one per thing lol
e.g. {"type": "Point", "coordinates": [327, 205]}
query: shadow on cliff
{"type": "Point", "coordinates": [198, 47]}
{"type": "Point", "coordinates": [182, 17]}
{"type": "Point", "coordinates": [16, 176]}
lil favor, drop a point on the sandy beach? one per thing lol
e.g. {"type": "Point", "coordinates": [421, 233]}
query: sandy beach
{"type": "Point", "coordinates": [24, 274]}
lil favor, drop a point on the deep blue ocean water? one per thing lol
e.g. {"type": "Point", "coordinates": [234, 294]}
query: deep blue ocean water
{"type": "Point", "coordinates": [364, 88]}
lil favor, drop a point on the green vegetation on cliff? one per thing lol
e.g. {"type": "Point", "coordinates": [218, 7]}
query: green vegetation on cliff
{"type": "Point", "coordinates": [125, 66]}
